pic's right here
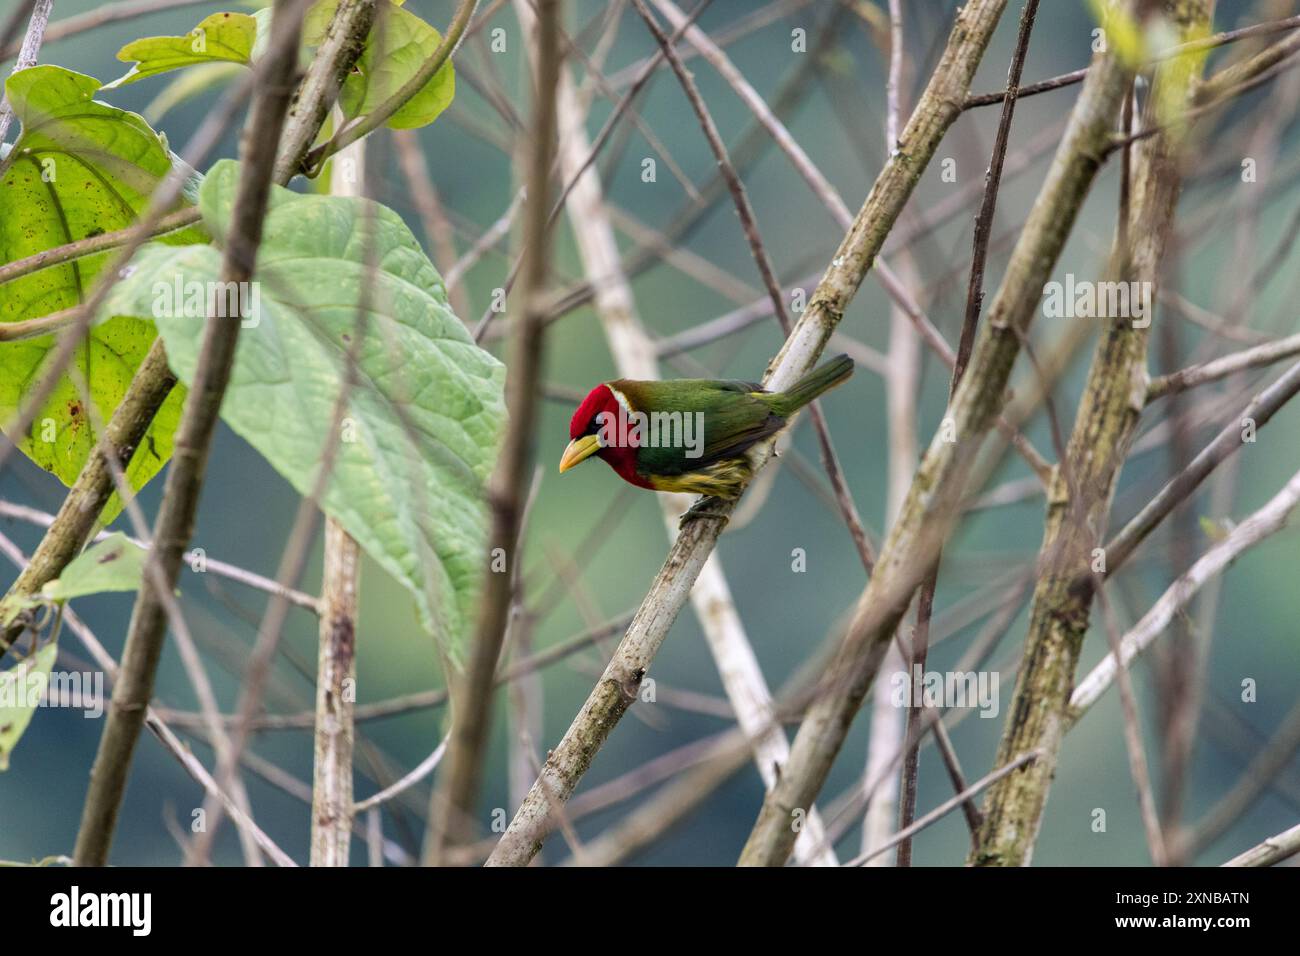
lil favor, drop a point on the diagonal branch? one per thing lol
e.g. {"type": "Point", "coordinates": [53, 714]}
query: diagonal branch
{"type": "Point", "coordinates": [1080, 497]}
{"type": "Point", "coordinates": [966, 342]}
{"type": "Point", "coordinates": [40, 18]}
{"type": "Point", "coordinates": [635, 357]}
{"type": "Point", "coordinates": [1268, 520]}
{"type": "Point", "coordinates": [451, 812]}
{"type": "Point", "coordinates": [621, 680]}
{"type": "Point", "coordinates": [193, 440]}
{"type": "Point", "coordinates": [934, 498]}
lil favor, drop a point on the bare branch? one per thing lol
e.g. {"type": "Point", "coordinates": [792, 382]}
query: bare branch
{"type": "Point", "coordinates": [932, 502]}
{"type": "Point", "coordinates": [451, 813]}
{"type": "Point", "coordinates": [27, 53]}
{"type": "Point", "coordinates": [1266, 521]}
{"type": "Point", "coordinates": [621, 679]}
{"type": "Point", "coordinates": [193, 439]}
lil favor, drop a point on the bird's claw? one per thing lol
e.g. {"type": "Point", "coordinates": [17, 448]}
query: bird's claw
{"type": "Point", "coordinates": [702, 509]}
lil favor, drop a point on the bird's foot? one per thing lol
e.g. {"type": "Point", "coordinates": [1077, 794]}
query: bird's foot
{"type": "Point", "coordinates": [706, 507]}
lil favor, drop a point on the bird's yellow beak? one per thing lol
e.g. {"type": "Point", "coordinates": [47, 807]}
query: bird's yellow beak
{"type": "Point", "coordinates": [578, 451]}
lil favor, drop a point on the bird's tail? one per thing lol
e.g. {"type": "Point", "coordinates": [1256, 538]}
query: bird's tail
{"type": "Point", "coordinates": [816, 382]}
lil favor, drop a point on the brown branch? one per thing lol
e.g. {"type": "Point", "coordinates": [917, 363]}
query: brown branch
{"type": "Point", "coordinates": [966, 342]}
{"type": "Point", "coordinates": [1080, 496]}
{"type": "Point", "coordinates": [452, 809]}
{"type": "Point", "coordinates": [335, 57]}
{"type": "Point", "coordinates": [31, 46]}
{"type": "Point", "coordinates": [1225, 444]}
{"type": "Point", "coordinates": [1264, 354]}
{"type": "Point", "coordinates": [621, 679]}
{"type": "Point", "coordinates": [94, 244]}
{"type": "Point", "coordinates": [749, 226]}
{"type": "Point", "coordinates": [1193, 46]}
{"type": "Point", "coordinates": [428, 206]}
{"type": "Point", "coordinates": [934, 498]}
{"type": "Point", "coordinates": [193, 440]}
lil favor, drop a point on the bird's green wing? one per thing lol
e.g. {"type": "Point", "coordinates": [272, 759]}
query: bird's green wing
{"type": "Point", "coordinates": [719, 419]}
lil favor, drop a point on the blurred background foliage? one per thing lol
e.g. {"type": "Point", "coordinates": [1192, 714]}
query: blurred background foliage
{"type": "Point", "coordinates": [613, 538]}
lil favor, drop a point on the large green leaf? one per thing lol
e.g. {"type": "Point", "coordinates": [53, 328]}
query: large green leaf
{"type": "Point", "coordinates": [114, 564]}
{"type": "Point", "coordinates": [21, 687]}
{"type": "Point", "coordinates": [80, 168]}
{"type": "Point", "coordinates": [422, 422]}
{"type": "Point", "coordinates": [222, 37]}
{"type": "Point", "coordinates": [391, 56]}
{"type": "Point", "coordinates": [394, 53]}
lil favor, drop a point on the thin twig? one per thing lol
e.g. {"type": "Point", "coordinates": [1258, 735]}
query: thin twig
{"type": "Point", "coordinates": [620, 682]}
{"type": "Point", "coordinates": [634, 356]}
{"type": "Point", "coordinates": [1273, 850]}
{"type": "Point", "coordinates": [1268, 520]}
{"type": "Point", "coordinates": [27, 54]}
{"type": "Point", "coordinates": [965, 344]}
{"type": "Point", "coordinates": [945, 808]}
{"type": "Point", "coordinates": [749, 226]}
{"type": "Point", "coordinates": [932, 502]}
{"type": "Point", "coordinates": [193, 440]}
{"type": "Point", "coordinates": [1264, 354]}
{"type": "Point", "coordinates": [380, 115]}
{"type": "Point", "coordinates": [451, 813]}
{"type": "Point", "coordinates": [1225, 444]}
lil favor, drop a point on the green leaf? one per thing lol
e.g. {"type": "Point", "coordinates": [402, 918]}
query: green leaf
{"type": "Point", "coordinates": [21, 688]}
{"type": "Point", "coordinates": [392, 55]}
{"type": "Point", "coordinates": [114, 564]}
{"type": "Point", "coordinates": [222, 37]}
{"type": "Point", "coordinates": [80, 168]}
{"type": "Point", "coordinates": [422, 422]}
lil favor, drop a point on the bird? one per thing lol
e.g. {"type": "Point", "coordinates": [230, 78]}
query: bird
{"type": "Point", "coordinates": [689, 435]}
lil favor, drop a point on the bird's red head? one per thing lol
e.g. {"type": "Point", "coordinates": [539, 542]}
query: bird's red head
{"type": "Point", "coordinates": [599, 416]}
{"type": "Point", "coordinates": [585, 421]}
